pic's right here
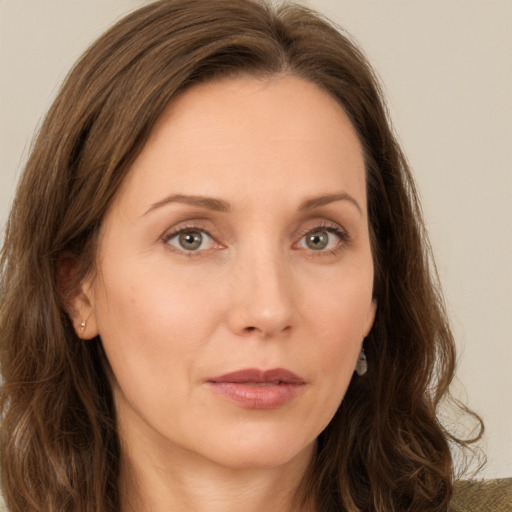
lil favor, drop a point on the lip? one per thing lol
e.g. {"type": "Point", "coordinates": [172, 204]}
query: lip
{"type": "Point", "coordinates": [253, 388]}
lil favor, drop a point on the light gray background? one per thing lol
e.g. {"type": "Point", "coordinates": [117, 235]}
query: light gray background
{"type": "Point", "coordinates": [446, 66]}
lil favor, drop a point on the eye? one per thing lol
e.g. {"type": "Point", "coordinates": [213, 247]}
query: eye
{"type": "Point", "coordinates": [190, 240]}
{"type": "Point", "coordinates": [321, 239]}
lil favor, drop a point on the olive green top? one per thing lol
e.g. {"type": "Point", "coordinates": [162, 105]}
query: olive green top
{"type": "Point", "coordinates": [470, 496]}
{"type": "Point", "coordinates": [482, 496]}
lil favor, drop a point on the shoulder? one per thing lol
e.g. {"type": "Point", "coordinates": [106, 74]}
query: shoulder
{"type": "Point", "coordinates": [482, 495]}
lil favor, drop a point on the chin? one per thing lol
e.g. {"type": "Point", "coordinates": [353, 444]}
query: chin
{"type": "Point", "coordinates": [260, 452]}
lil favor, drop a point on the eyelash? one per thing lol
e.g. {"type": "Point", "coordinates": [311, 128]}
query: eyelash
{"type": "Point", "coordinates": [331, 228]}
{"type": "Point", "coordinates": [188, 228]}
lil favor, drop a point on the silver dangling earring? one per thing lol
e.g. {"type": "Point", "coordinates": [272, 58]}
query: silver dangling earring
{"type": "Point", "coordinates": [362, 363]}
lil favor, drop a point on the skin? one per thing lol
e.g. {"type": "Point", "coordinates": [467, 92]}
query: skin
{"type": "Point", "coordinates": [253, 295]}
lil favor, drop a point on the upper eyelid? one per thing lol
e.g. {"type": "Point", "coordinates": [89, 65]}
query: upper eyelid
{"type": "Point", "coordinates": [186, 226]}
{"type": "Point", "coordinates": [339, 232]}
{"type": "Point", "coordinates": [172, 234]}
{"type": "Point", "coordinates": [324, 224]}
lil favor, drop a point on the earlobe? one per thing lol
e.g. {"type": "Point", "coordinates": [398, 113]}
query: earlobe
{"type": "Point", "coordinates": [86, 329]}
{"type": "Point", "coordinates": [372, 311]}
{"type": "Point", "coordinates": [77, 297]}
{"type": "Point", "coordinates": [82, 312]}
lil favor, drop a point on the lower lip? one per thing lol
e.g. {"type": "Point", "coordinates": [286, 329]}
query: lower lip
{"type": "Point", "coordinates": [257, 396]}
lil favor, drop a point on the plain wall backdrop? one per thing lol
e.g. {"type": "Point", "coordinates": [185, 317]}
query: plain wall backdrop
{"type": "Point", "coordinates": [446, 67]}
{"type": "Point", "coordinates": [447, 71]}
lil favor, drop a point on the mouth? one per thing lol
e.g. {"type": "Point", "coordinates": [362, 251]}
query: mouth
{"type": "Point", "coordinates": [258, 389]}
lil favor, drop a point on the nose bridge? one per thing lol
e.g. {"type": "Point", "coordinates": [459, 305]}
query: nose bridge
{"type": "Point", "coordinates": [263, 295]}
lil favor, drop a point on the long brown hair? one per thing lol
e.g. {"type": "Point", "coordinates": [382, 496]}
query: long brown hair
{"type": "Point", "coordinates": [385, 449]}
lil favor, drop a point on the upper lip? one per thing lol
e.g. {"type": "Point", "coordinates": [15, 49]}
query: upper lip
{"type": "Point", "coordinates": [255, 375]}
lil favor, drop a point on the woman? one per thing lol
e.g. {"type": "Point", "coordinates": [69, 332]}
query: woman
{"type": "Point", "coordinates": [215, 228]}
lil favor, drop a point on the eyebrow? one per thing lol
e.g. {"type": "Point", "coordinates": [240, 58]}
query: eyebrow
{"type": "Point", "coordinates": [317, 202]}
{"type": "Point", "coordinates": [210, 203]}
{"type": "Point", "coordinates": [219, 205]}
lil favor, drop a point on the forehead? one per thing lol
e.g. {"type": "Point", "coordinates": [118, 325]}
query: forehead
{"type": "Point", "coordinates": [250, 135]}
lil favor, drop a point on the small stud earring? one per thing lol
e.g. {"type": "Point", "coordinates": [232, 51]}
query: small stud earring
{"type": "Point", "coordinates": [82, 326]}
{"type": "Point", "coordinates": [362, 363]}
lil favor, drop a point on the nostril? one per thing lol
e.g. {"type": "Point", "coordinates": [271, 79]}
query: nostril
{"type": "Point", "coordinates": [264, 332]}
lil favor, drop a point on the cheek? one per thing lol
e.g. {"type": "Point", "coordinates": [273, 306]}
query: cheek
{"type": "Point", "coordinates": [342, 308]}
{"type": "Point", "coordinates": [338, 316]}
{"type": "Point", "coordinates": [152, 325]}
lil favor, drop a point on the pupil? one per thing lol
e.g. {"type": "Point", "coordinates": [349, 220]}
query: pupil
{"type": "Point", "coordinates": [317, 240]}
{"type": "Point", "coordinates": [191, 240]}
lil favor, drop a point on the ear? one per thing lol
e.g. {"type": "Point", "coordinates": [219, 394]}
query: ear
{"type": "Point", "coordinates": [372, 311]}
{"type": "Point", "coordinates": [77, 296]}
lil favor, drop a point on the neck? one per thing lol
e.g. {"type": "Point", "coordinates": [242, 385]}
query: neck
{"type": "Point", "coordinates": [161, 484]}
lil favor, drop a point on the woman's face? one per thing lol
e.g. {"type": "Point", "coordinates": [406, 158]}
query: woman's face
{"type": "Point", "coordinates": [234, 283]}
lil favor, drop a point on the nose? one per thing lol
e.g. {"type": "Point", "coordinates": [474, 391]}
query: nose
{"type": "Point", "coordinates": [263, 296]}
